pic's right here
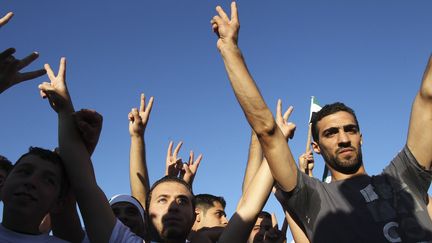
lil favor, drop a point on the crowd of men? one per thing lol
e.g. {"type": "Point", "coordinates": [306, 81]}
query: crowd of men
{"type": "Point", "coordinates": [41, 189]}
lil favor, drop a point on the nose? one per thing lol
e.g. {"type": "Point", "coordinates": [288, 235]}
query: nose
{"type": "Point", "coordinates": [224, 220]}
{"type": "Point", "coordinates": [173, 206]}
{"type": "Point", "coordinates": [343, 139]}
{"type": "Point", "coordinates": [123, 219]}
{"type": "Point", "coordinates": [30, 183]}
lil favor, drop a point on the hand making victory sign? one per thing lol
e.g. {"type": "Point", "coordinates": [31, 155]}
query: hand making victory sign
{"type": "Point", "coordinates": [10, 67]}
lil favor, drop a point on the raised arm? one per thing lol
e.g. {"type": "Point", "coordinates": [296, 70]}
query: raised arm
{"type": "Point", "coordinates": [420, 127]}
{"type": "Point", "coordinates": [139, 179]}
{"type": "Point", "coordinates": [66, 223]}
{"type": "Point", "coordinates": [258, 191]}
{"type": "Point", "coordinates": [95, 209]}
{"type": "Point", "coordinates": [254, 161]}
{"type": "Point", "coordinates": [273, 143]}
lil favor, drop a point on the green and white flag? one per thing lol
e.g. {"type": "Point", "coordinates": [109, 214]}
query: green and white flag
{"type": "Point", "coordinates": [315, 107]}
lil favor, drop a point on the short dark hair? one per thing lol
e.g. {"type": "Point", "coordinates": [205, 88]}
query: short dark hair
{"type": "Point", "coordinates": [168, 179]}
{"type": "Point", "coordinates": [326, 111]}
{"type": "Point", "coordinates": [151, 229]}
{"type": "Point", "coordinates": [264, 214]}
{"type": "Point", "coordinates": [55, 159]}
{"type": "Point", "coordinates": [206, 201]}
{"type": "Point", "coordinates": [5, 164]}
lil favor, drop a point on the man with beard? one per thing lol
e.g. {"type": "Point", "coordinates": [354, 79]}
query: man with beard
{"type": "Point", "coordinates": [171, 210]}
{"type": "Point", "coordinates": [354, 207]}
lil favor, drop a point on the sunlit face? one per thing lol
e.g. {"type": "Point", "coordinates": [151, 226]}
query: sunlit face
{"type": "Point", "coordinates": [340, 142]}
{"type": "Point", "coordinates": [262, 225]}
{"type": "Point", "coordinates": [130, 216]}
{"type": "Point", "coordinates": [32, 187]}
{"type": "Point", "coordinates": [214, 216]}
{"type": "Point", "coordinates": [171, 210]}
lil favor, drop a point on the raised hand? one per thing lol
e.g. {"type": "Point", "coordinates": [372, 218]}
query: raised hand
{"type": "Point", "coordinates": [89, 124]}
{"type": "Point", "coordinates": [173, 164]}
{"type": "Point", "coordinates": [10, 68]}
{"type": "Point", "coordinates": [5, 19]}
{"type": "Point", "coordinates": [306, 163]}
{"type": "Point", "coordinates": [287, 128]}
{"type": "Point", "coordinates": [56, 91]}
{"type": "Point", "coordinates": [190, 168]}
{"type": "Point", "coordinates": [138, 118]}
{"type": "Point", "coordinates": [226, 29]}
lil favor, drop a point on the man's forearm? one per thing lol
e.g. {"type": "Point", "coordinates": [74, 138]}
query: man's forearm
{"type": "Point", "coordinates": [257, 112]}
{"type": "Point", "coordinates": [91, 199]}
{"type": "Point", "coordinates": [139, 180]}
{"type": "Point", "coordinates": [254, 161]}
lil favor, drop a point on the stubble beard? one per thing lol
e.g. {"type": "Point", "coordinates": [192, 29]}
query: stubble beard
{"type": "Point", "coordinates": [346, 166]}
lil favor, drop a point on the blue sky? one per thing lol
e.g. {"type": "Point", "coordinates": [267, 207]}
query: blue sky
{"type": "Point", "coordinates": [368, 54]}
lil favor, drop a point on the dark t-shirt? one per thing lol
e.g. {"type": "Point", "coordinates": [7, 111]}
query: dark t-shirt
{"type": "Point", "coordinates": [390, 207]}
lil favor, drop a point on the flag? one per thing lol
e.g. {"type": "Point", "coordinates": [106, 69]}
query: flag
{"type": "Point", "coordinates": [315, 107]}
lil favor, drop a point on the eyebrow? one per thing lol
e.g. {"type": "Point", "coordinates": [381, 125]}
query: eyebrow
{"type": "Point", "coordinates": [183, 197]}
{"type": "Point", "coordinates": [50, 173]}
{"type": "Point", "coordinates": [351, 125]}
{"type": "Point", "coordinates": [221, 211]}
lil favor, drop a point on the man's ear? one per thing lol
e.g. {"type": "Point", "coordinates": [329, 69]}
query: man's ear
{"type": "Point", "coordinates": [361, 139]}
{"type": "Point", "coordinates": [198, 215]}
{"type": "Point", "coordinates": [316, 148]}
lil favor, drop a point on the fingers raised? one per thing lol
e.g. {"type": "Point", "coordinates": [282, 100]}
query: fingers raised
{"type": "Point", "coordinates": [27, 60]}
{"type": "Point", "coordinates": [142, 103]}
{"type": "Point", "coordinates": [49, 71]}
{"type": "Point", "coordinates": [222, 13]}
{"type": "Point", "coordinates": [62, 69]}
{"type": "Point", "coordinates": [169, 151]}
{"type": "Point", "coordinates": [177, 149]}
{"type": "Point", "coordinates": [149, 105]}
{"type": "Point", "coordinates": [31, 75]}
{"type": "Point", "coordinates": [5, 19]}
{"type": "Point", "coordinates": [234, 12]}
{"type": "Point", "coordinates": [287, 113]}
{"type": "Point", "coordinates": [7, 53]}
{"type": "Point", "coordinates": [279, 109]}
{"type": "Point", "coordinates": [198, 160]}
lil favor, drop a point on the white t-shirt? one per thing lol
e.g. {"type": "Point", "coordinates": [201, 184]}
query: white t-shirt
{"type": "Point", "coordinates": [122, 234]}
{"type": "Point", "coordinates": [9, 236]}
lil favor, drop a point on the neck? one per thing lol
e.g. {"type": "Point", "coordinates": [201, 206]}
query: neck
{"type": "Point", "coordinates": [21, 223]}
{"type": "Point", "coordinates": [338, 176]}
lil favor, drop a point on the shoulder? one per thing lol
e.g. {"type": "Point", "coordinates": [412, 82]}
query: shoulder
{"type": "Point", "coordinates": [122, 234]}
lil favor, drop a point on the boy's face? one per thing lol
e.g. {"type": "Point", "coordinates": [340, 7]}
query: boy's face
{"type": "Point", "coordinates": [32, 187]}
{"type": "Point", "coordinates": [171, 210]}
{"type": "Point", "coordinates": [214, 216]}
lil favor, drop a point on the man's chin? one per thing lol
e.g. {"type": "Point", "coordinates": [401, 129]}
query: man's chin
{"type": "Point", "coordinates": [348, 167]}
{"type": "Point", "coordinates": [174, 233]}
